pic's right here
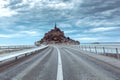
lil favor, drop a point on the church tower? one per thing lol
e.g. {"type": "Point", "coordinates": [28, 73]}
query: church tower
{"type": "Point", "coordinates": [55, 26]}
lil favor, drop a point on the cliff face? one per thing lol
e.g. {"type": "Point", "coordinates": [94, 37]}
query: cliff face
{"type": "Point", "coordinates": [56, 36]}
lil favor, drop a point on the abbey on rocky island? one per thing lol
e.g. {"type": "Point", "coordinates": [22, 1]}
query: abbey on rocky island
{"type": "Point", "coordinates": [56, 36]}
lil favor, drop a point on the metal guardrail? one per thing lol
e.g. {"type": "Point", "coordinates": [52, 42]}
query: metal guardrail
{"type": "Point", "coordinates": [17, 47]}
{"type": "Point", "coordinates": [22, 53]}
{"type": "Point", "coordinates": [100, 49]}
{"type": "Point", "coordinates": [13, 48]}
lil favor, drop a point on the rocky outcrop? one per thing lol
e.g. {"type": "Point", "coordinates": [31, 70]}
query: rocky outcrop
{"type": "Point", "coordinates": [56, 36]}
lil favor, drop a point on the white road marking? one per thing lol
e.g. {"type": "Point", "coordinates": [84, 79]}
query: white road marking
{"type": "Point", "coordinates": [59, 70]}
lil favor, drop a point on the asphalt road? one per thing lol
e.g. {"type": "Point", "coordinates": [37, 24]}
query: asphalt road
{"type": "Point", "coordinates": [59, 63]}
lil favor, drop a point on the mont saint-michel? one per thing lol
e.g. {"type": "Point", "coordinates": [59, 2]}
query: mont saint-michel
{"type": "Point", "coordinates": [56, 36]}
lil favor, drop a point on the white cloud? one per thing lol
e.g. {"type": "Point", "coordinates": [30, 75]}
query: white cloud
{"type": "Point", "coordinates": [21, 27]}
{"type": "Point", "coordinates": [37, 15]}
{"type": "Point", "coordinates": [54, 4]}
{"type": "Point", "coordinates": [6, 12]}
{"type": "Point", "coordinates": [88, 39]}
{"type": "Point", "coordinates": [102, 22]}
{"type": "Point", "coordinates": [20, 34]}
{"type": "Point", "coordinates": [93, 21]}
{"type": "Point", "coordinates": [60, 5]}
{"type": "Point", "coordinates": [71, 31]}
{"type": "Point", "coordinates": [80, 35]}
{"type": "Point", "coordinates": [63, 25]}
{"type": "Point", "coordinates": [78, 23]}
{"type": "Point", "coordinates": [9, 35]}
{"type": "Point", "coordinates": [29, 33]}
{"type": "Point", "coordinates": [3, 3]}
{"type": "Point", "coordinates": [100, 29]}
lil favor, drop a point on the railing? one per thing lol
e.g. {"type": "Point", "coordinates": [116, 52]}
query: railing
{"type": "Point", "coordinates": [17, 47]}
{"type": "Point", "coordinates": [108, 50]}
{"type": "Point", "coordinates": [19, 54]}
{"type": "Point", "coordinates": [8, 49]}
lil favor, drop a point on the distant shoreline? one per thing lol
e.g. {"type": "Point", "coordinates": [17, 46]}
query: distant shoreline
{"type": "Point", "coordinates": [102, 43]}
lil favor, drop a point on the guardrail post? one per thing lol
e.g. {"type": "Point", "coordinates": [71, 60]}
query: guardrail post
{"type": "Point", "coordinates": [85, 48]}
{"type": "Point", "coordinates": [90, 48]}
{"type": "Point", "coordinates": [103, 50]}
{"type": "Point", "coordinates": [26, 54]}
{"type": "Point", "coordinates": [16, 58]}
{"type": "Point", "coordinates": [95, 50]}
{"type": "Point", "coordinates": [117, 53]}
{"type": "Point", "coordinates": [82, 48]}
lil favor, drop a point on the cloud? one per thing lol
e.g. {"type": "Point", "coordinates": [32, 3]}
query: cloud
{"type": "Point", "coordinates": [60, 5]}
{"type": "Point", "coordinates": [65, 25]}
{"type": "Point", "coordinates": [9, 35]}
{"type": "Point", "coordinates": [6, 12]}
{"type": "Point", "coordinates": [88, 39]}
{"type": "Point", "coordinates": [79, 18]}
{"type": "Point", "coordinates": [20, 34]}
{"type": "Point", "coordinates": [70, 31]}
{"type": "Point", "coordinates": [3, 3]}
{"type": "Point", "coordinates": [29, 33]}
{"type": "Point", "coordinates": [102, 29]}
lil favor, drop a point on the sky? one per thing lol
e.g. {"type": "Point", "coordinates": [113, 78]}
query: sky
{"type": "Point", "coordinates": [26, 21]}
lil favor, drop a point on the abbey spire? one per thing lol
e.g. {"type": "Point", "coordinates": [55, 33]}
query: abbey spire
{"type": "Point", "coordinates": [55, 26]}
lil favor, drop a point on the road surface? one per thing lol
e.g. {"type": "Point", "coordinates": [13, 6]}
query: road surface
{"type": "Point", "coordinates": [59, 63]}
